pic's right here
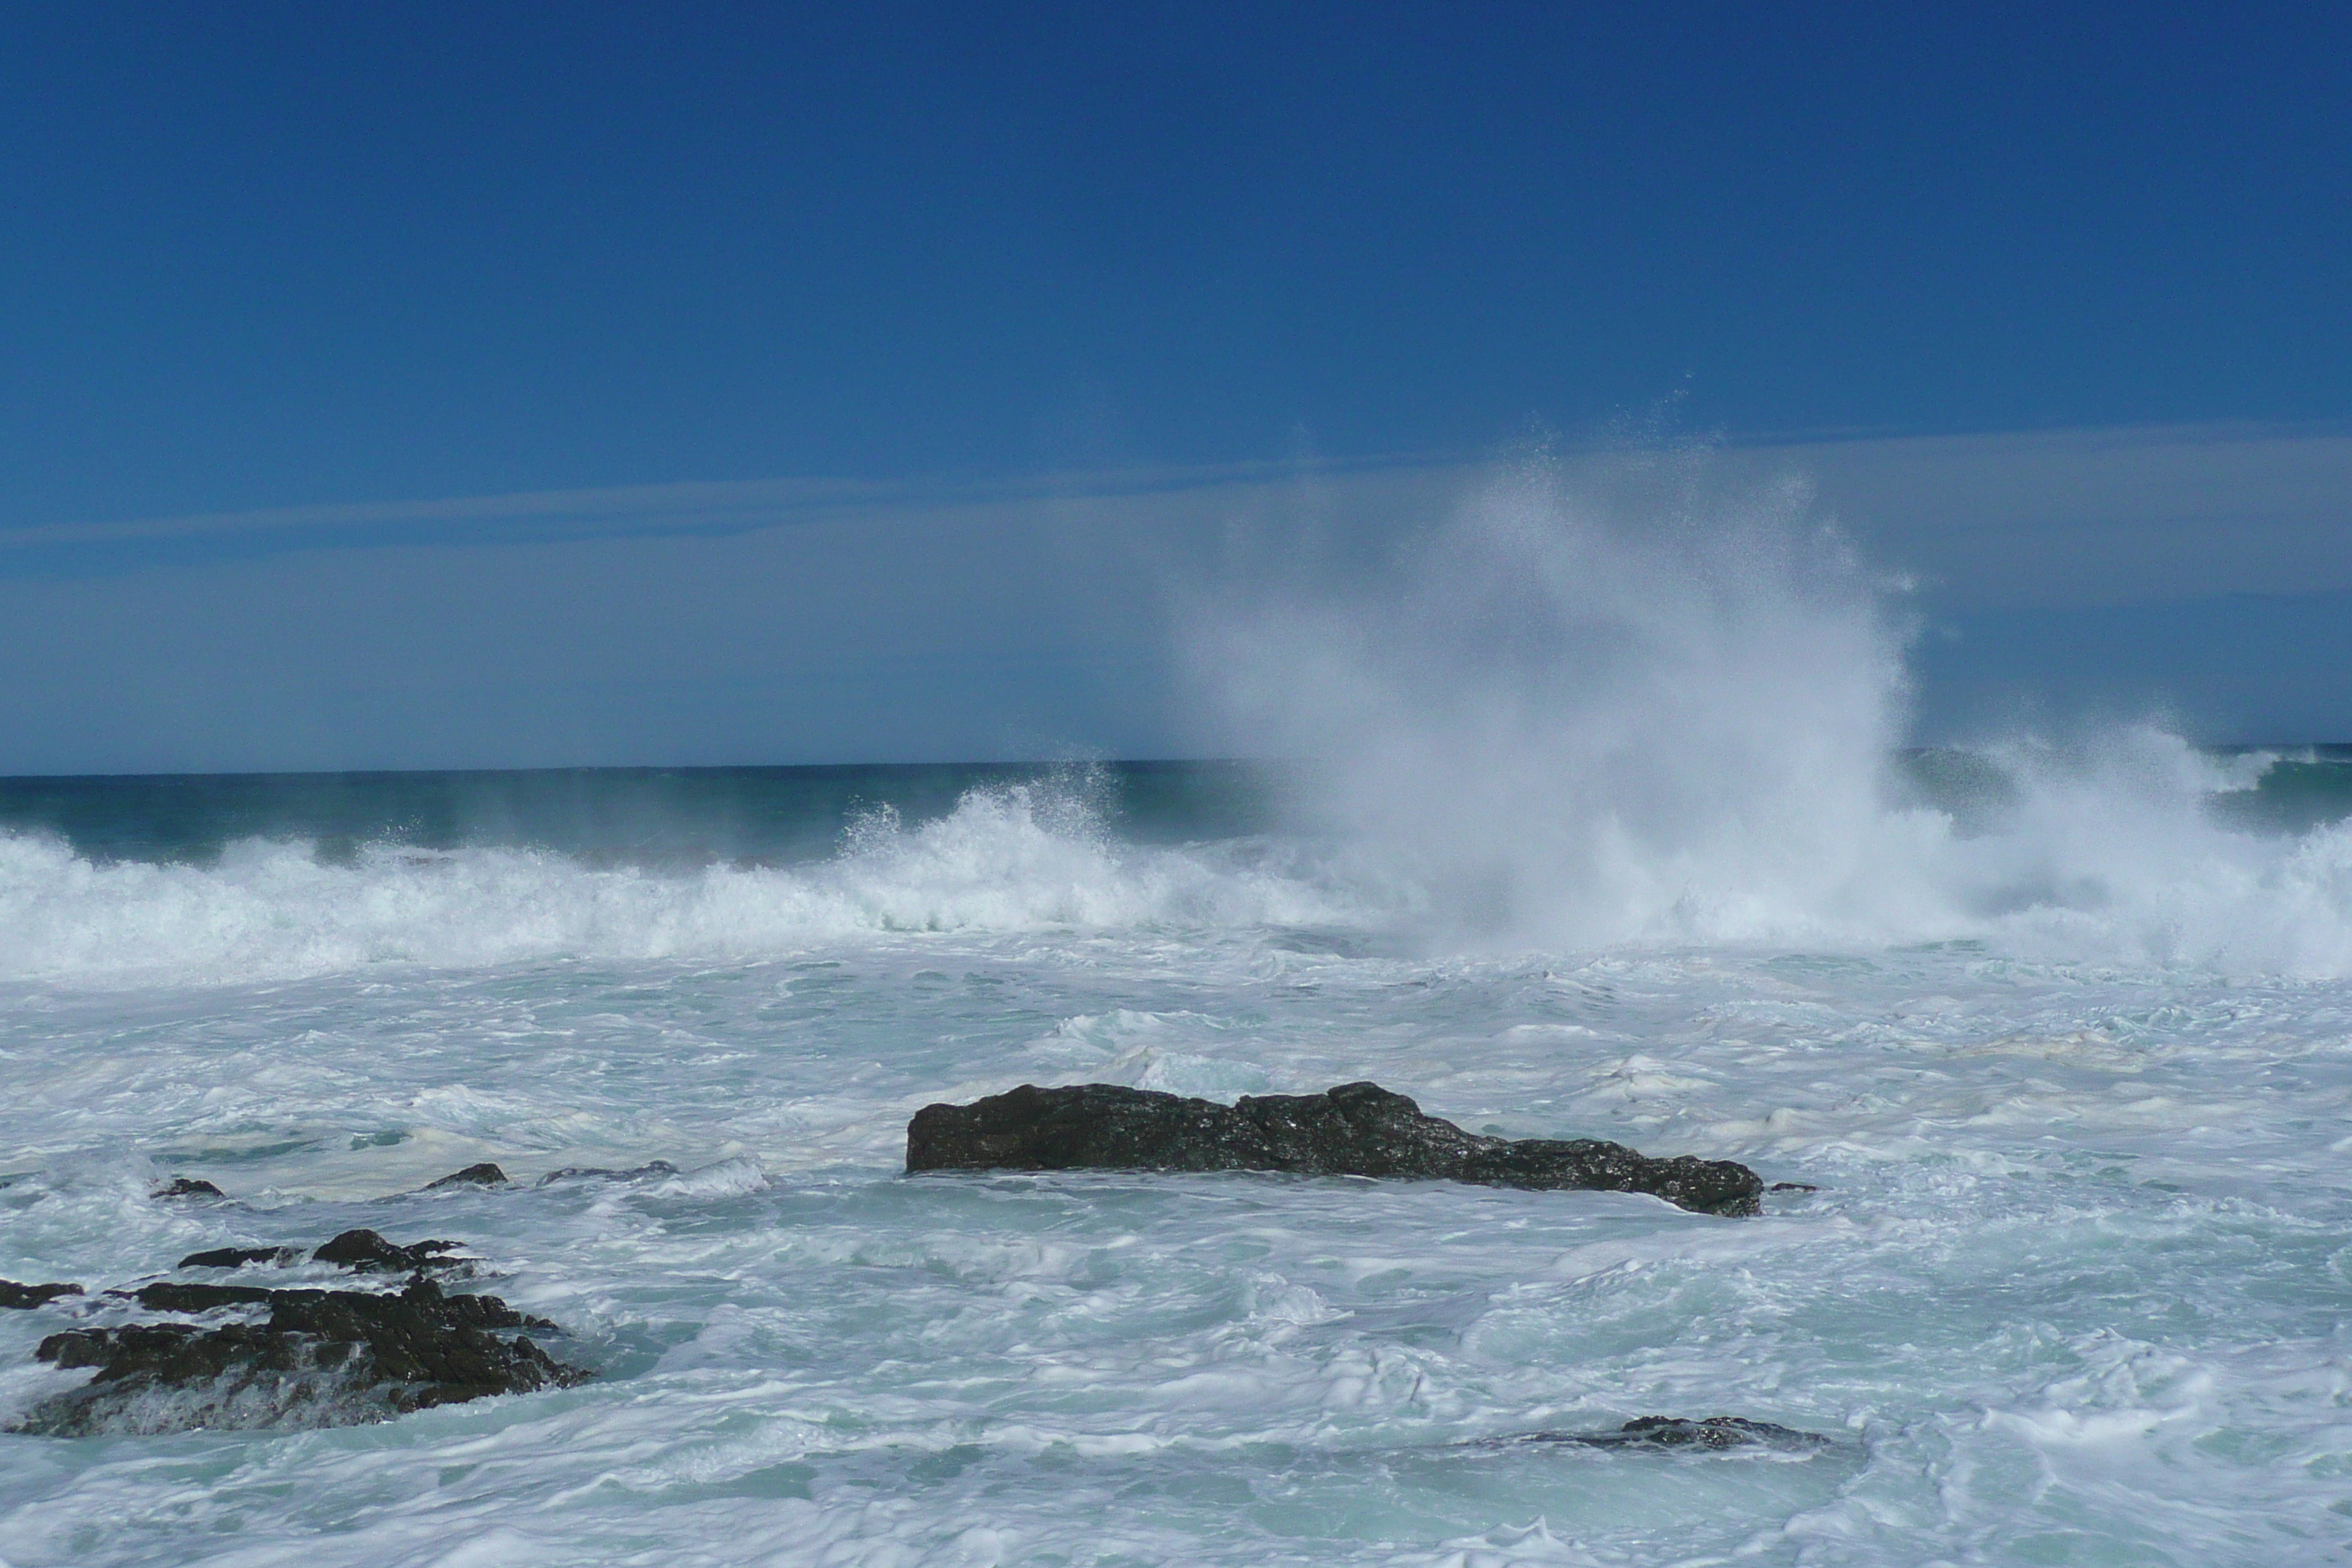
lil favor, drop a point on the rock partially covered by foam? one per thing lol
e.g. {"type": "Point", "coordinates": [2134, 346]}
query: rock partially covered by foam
{"type": "Point", "coordinates": [361, 1251]}
{"type": "Point", "coordinates": [239, 1256]}
{"type": "Point", "coordinates": [1675, 1432]}
{"type": "Point", "coordinates": [323, 1358]}
{"type": "Point", "coordinates": [23, 1298]}
{"type": "Point", "coordinates": [646, 1171]}
{"type": "Point", "coordinates": [485, 1175]}
{"type": "Point", "coordinates": [188, 1187]}
{"type": "Point", "coordinates": [1355, 1130]}
{"type": "Point", "coordinates": [366, 1252]}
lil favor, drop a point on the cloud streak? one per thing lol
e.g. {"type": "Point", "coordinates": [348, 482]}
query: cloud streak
{"type": "Point", "coordinates": [803, 621]}
{"type": "Point", "coordinates": [690, 507]}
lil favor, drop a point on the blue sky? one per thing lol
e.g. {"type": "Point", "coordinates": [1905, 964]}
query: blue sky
{"type": "Point", "coordinates": [326, 279]}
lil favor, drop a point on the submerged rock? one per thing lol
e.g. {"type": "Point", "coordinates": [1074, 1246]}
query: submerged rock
{"type": "Point", "coordinates": [323, 1358]}
{"type": "Point", "coordinates": [366, 1252]}
{"type": "Point", "coordinates": [187, 1187]}
{"type": "Point", "coordinates": [1672, 1432]}
{"type": "Point", "coordinates": [24, 1297]}
{"type": "Point", "coordinates": [598, 1173]}
{"type": "Point", "coordinates": [238, 1256]}
{"type": "Point", "coordinates": [485, 1175]}
{"type": "Point", "coordinates": [1355, 1130]}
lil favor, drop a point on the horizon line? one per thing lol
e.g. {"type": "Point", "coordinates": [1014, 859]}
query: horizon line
{"type": "Point", "coordinates": [2239, 748]}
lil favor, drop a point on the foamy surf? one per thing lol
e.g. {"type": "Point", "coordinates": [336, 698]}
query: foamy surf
{"type": "Point", "coordinates": [2113, 855]}
{"type": "Point", "coordinates": [1616, 842]}
{"type": "Point", "coordinates": [1009, 860]}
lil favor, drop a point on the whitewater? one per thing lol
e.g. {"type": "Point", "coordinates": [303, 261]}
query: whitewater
{"type": "Point", "coordinates": [1600, 822]}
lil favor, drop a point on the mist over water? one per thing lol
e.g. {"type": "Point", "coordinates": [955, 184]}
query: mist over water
{"type": "Point", "coordinates": [1668, 715]}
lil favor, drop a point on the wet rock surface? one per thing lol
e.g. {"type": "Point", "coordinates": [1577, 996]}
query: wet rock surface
{"type": "Point", "coordinates": [238, 1256]}
{"type": "Point", "coordinates": [318, 1358]}
{"type": "Point", "coordinates": [485, 1175]}
{"type": "Point", "coordinates": [1674, 1432]}
{"type": "Point", "coordinates": [599, 1173]}
{"type": "Point", "coordinates": [1354, 1129]}
{"type": "Point", "coordinates": [366, 1252]}
{"type": "Point", "coordinates": [24, 1297]}
{"type": "Point", "coordinates": [188, 1187]}
{"type": "Point", "coordinates": [361, 1251]}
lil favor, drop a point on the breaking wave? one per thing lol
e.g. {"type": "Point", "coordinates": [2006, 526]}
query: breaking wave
{"type": "Point", "coordinates": [1557, 719]}
{"type": "Point", "coordinates": [1019, 857]}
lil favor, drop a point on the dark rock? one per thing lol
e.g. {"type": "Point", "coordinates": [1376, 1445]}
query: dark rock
{"type": "Point", "coordinates": [366, 1252]}
{"type": "Point", "coordinates": [1670, 1431]}
{"type": "Point", "coordinates": [482, 1176]}
{"type": "Point", "coordinates": [594, 1174]}
{"type": "Point", "coordinates": [238, 1256]}
{"type": "Point", "coordinates": [1355, 1130]}
{"type": "Point", "coordinates": [170, 1295]}
{"type": "Point", "coordinates": [24, 1297]}
{"type": "Point", "coordinates": [323, 1358]}
{"type": "Point", "coordinates": [187, 1187]}
{"type": "Point", "coordinates": [1792, 1187]}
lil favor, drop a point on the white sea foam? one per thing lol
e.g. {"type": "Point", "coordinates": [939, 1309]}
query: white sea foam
{"type": "Point", "coordinates": [2106, 857]}
{"type": "Point", "coordinates": [2070, 1287]}
{"type": "Point", "coordinates": [1021, 858]}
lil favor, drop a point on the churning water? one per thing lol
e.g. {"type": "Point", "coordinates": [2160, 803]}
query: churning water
{"type": "Point", "coordinates": [1608, 833]}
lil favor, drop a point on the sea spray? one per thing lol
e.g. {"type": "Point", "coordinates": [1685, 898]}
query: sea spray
{"type": "Point", "coordinates": [1576, 725]}
{"type": "Point", "coordinates": [1644, 713]}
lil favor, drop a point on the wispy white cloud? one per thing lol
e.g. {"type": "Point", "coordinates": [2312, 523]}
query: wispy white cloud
{"type": "Point", "coordinates": [686, 507]}
{"type": "Point", "coordinates": [805, 621]}
{"type": "Point", "coordinates": [2008, 520]}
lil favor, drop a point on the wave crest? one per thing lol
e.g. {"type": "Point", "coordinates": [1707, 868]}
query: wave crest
{"type": "Point", "coordinates": [1021, 858]}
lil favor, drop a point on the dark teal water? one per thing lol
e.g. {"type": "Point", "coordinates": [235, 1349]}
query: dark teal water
{"type": "Point", "coordinates": [780, 816]}
{"type": "Point", "coordinates": [647, 816]}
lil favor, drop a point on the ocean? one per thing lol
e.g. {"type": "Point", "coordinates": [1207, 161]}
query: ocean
{"type": "Point", "coordinates": [1604, 819]}
{"type": "Point", "coordinates": [2067, 1065]}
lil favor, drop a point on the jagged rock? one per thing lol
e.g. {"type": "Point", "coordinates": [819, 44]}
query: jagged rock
{"type": "Point", "coordinates": [482, 1176]}
{"type": "Point", "coordinates": [1355, 1130]}
{"type": "Point", "coordinates": [590, 1174]}
{"type": "Point", "coordinates": [366, 1252]}
{"type": "Point", "coordinates": [188, 1187]}
{"type": "Point", "coordinates": [1672, 1432]}
{"type": "Point", "coordinates": [323, 1358]}
{"type": "Point", "coordinates": [24, 1297]}
{"type": "Point", "coordinates": [238, 1256]}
